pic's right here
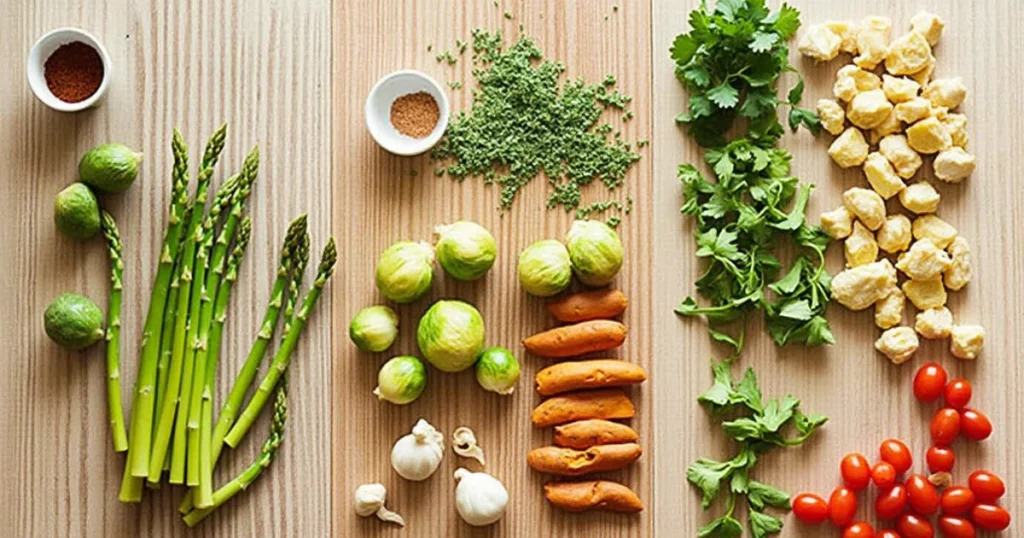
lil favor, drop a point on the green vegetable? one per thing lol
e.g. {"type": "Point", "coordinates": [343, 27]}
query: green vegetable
{"type": "Point", "coordinates": [758, 426]}
{"type": "Point", "coordinates": [545, 268]}
{"type": "Point", "coordinates": [401, 380]}
{"type": "Point", "coordinates": [114, 250]}
{"type": "Point", "coordinates": [497, 370]}
{"type": "Point", "coordinates": [525, 120]}
{"type": "Point", "coordinates": [405, 271]}
{"type": "Point", "coordinates": [465, 249]}
{"type": "Point", "coordinates": [76, 212]}
{"type": "Point", "coordinates": [374, 329]}
{"type": "Point", "coordinates": [73, 322]}
{"type": "Point", "coordinates": [595, 251]}
{"type": "Point", "coordinates": [451, 335]}
{"type": "Point", "coordinates": [109, 168]}
{"type": "Point", "coordinates": [730, 62]}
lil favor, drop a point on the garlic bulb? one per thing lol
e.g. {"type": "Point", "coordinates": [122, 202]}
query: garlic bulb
{"type": "Point", "coordinates": [417, 455]}
{"type": "Point", "coordinates": [370, 500]}
{"type": "Point", "coordinates": [464, 444]}
{"type": "Point", "coordinates": [479, 497]}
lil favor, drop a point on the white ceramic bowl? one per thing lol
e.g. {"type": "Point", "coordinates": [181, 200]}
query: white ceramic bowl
{"type": "Point", "coordinates": [42, 50]}
{"type": "Point", "coordinates": [378, 111]}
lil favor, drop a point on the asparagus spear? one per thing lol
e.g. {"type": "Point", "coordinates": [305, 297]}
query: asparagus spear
{"type": "Point", "coordinates": [114, 332]}
{"type": "Point", "coordinates": [167, 335]}
{"type": "Point", "coordinates": [283, 356]}
{"type": "Point", "coordinates": [256, 468]}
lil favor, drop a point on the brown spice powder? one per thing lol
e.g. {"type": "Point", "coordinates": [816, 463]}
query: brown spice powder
{"type": "Point", "coordinates": [415, 114]}
{"type": "Point", "coordinates": [73, 72]}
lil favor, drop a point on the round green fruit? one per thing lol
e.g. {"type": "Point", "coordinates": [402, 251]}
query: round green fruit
{"type": "Point", "coordinates": [76, 212]}
{"type": "Point", "coordinates": [73, 321]}
{"type": "Point", "coordinates": [109, 168]}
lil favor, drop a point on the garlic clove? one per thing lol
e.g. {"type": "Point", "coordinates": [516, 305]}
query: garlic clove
{"type": "Point", "coordinates": [369, 500]}
{"type": "Point", "coordinates": [464, 444]}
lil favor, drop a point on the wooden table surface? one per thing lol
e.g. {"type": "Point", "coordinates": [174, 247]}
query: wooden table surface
{"type": "Point", "coordinates": [292, 77]}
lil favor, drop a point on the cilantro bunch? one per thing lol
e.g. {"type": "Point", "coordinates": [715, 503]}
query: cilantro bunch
{"type": "Point", "coordinates": [730, 62]}
{"type": "Point", "coordinates": [758, 427]}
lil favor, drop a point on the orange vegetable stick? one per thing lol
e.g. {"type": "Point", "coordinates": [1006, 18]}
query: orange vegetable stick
{"type": "Point", "coordinates": [592, 495]}
{"type": "Point", "coordinates": [607, 404]}
{"type": "Point", "coordinates": [592, 374]}
{"type": "Point", "coordinates": [577, 339]}
{"type": "Point", "coordinates": [587, 433]}
{"type": "Point", "coordinates": [596, 304]}
{"type": "Point", "coordinates": [570, 462]}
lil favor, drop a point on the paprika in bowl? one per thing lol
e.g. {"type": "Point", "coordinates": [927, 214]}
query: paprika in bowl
{"type": "Point", "coordinates": [68, 70]}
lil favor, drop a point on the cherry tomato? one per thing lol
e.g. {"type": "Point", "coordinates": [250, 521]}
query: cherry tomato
{"type": "Point", "coordinates": [842, 506]}
{"type": "Point", "coordinates": [975, 425]}
{"type": "Point", "coordinates": [894, 452]}
{"type": "Point", "coordinates": [883, 474]}
{"type": "Point", "coordinates": [940, 459]}
{"type": "Point", "coordinates": [958, 393]}
{"type": "Point", "coordinates": [856, 471]}
{"type": "Point", "coordinates": [922, 495]}
{"type": "Point", "coordinates": [888, 534]}
{"type": "Point", "coordinates": [945, 426]}
{"type": "Point", "coordinates": [810, 508]}
{"type": "Point", "coordinates": [989, 517]}
{"type": "Point", "coordinates": [955, 527]}
{"type": "Point", "coordinates": [929, 382]}
{"type": "Point", "coordinates": [957, 500]}
{"type": "Point", "coordinates": [859, 530]}
{"type": "Point", "coordinates": [914, 526]}
{"type": "Point", "coordinates": [987, 487]}
{"type": "Point", "coordinates": [892, 503]}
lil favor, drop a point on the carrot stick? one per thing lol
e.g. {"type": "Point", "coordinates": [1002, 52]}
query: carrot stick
{"type": "Point", "coordinates": [606, 404]}
{"type": "Point", "coordinates": [584, 434]}
{"type": "Point", "coordinates": [592, 374]}
{"type": "Point", "coordinates": [577, 339]}
{"type": "Point", "coordinates": [596, 304]}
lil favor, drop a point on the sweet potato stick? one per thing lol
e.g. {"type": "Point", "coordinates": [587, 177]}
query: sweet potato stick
{"type": "Point", "coordinates": [577, 339]}
{"type": "Point", "coordinates": [592, 374]}
{"type": "Point", "coordinates": [589, 305]}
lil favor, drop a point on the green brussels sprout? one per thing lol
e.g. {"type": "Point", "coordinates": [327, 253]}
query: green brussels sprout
{"type": "Point", "coordinates": [595, 251]}
{"type": "Point", "coordinates": [405, 271]}
{"type": "Point", "coordinates": [451, 335]}
{"type": "Point", "coordinates": [544, 268]}
{"type": "Point", "coordinates": [73, 321]}
{"type": "Point", "coordinates": [109, 168]}
{"type": "Point", "coordinates": [497, 370]}
{"type": "Point", "coordinates": [465, 249]}
{"type": "Point", "coordinates": [374, 329]}
{"type": "Point", "coordinates": [401, 380]}
{"type": "Point", "coordinates": [76, 212]}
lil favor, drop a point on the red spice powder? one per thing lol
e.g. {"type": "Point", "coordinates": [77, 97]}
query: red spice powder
{"type": "Point", "coordinates": [73, 72]}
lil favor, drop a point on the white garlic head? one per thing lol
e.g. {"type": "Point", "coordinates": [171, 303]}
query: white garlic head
{"type": "Point", "coordinates": [417, 455]}
{"type": "Point", "coordinates": [370, 500]}
{"type": "Point", "coordinates": [480, 498]}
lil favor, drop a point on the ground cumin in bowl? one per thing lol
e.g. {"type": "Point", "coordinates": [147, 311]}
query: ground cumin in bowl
{"type": "Point", "coordinates": [415, 114]}
{"type": "Point", "coordinates": [69, 69]}
{"type": "Point", "coordinates": [407, 112]}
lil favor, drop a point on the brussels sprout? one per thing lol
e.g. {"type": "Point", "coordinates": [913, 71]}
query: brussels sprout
{"type": "Point", "coordinates": [374, 328]}
{"type": "Point", "coordinates": [544, 268]}
{"type": "Point", "coordinates": [595, 251]}
{"type": "Point", "coordinates": [405, 271]}
{"type": "Point", "coordinates": [401, 380]}
{"type": "Point", "coordinates": [451, 335]}
{"type": "Point", "coordinates": [109, 168]}
{"type": "Point", "coordinates": [76, 212]}
{"type": "Point", "coordinates": [465, 249]}
{"type": "Point", "coordinates": [497, 370]}
{"type": "Point", "coordinates": [73, 321]}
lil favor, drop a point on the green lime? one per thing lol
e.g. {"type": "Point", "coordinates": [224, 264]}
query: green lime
{"type": "Point", "coordinates": [77, 212]}
{"type": "Point", "coordinates": [73, 322]}
{"type": "Point", "coordinates": [109, 168]}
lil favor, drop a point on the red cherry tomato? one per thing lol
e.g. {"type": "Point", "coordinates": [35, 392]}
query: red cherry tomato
{"type": "Point", "coordinates": [929, 382]}
{"type": "Point", "coordinates": [810, 508]}
{"type": "Point", "coordinates": [975, 425]}
{"type": "Point", "coordinates": [859, 530]}
{"type": "Point", "coordinates": [955, 527]}
{"type": "Point", "coordinates": [945, 426]}
{"type": "Point", "coordinates": [987, 487]}
{"type": "Point", "coordinates": [914, 526]}
{"type": "Point", "coordinates": [894, 452]}
{"type": "Point", "coordinates": [958, 393]}
{"type": "Point", "coordinates": [957, 500]}
{"type": "Point", "coordinates": [892, 503]}
{"type": "Point", "coordinates": [940, 459]}
{"type": "Point", "coordinates": [883, 474]}
{"type": "Point", "coordinates": [888, 534]}
{"type": "Point", "coordinates": [856, 471]}
{"type": "Point", "coordinates": [842, 506]}
{"type": "Point", "coordinates": [922, 495]}
{"type": "Point", "coordinates": [989, 517]}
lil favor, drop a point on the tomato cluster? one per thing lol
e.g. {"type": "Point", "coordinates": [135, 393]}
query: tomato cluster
{"type": "Point", "coordinates": [911, 502]}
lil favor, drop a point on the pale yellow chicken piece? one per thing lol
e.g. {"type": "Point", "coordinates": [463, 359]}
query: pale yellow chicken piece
{"type": "Point", "coordinates": [862, 286]}
{"type": "Point", "coordinates": [904, 159]}
{"type": "Point", "coordinates": [891, 125]}
{"type": "Point", "coordinates": [860, 247]}
{"type": "Point", "coordinates": [819, 42]}
{"type": "Point", "coordinates": [934, 323]}
{"type": "Point", "coordinates": [833, 117]}
{"type": "Point", "coordinates": [838, 223]}
{"type": "Point", "coordinates": [920, 197]}
{"type": "Point", "coordinates": [913, 110]}
{"type": "Point", "coordinates": [929, 25]}
{"type": "Point", "coordinates": [925, 294]}
{"type": "Point", "coordinates": [934, 229]}
{"type": "Point", "coordinates": [947, 92]}
{"type": "Point", "coordinates": [929, 136]}
{"type": "Point", "coordinates": [866, 205]}
{"type": "Point", "coordinates": [956, 124]}
{"type": "Point", "coordinates": [923, 76]}
{"type": "Point", "coordinates": [894, 235]}
{"type": "Point", "coordinates": [889, 311]}
{"type": "Point", "coordinates": [959, 273]}
{"type": "Point", "coordinates": [953, 165]}
{"type": "Point", "coordinates": [849, 149]}
{"type": "Point", "coordinates": [924, 261]}
{"type": "Point", "coordinates": [899, 89]}
{"type": "Point", "coordinates": [847, 32]}
{"type": "Point", "coordinates": [908, 54]}
{"type": "Point", "coordinates": [966, 341]}
{"type": "Point", "coordinates": [882, 176]}
{"type": "Point", "coordinates": [869, 109]}
{"type": "Point", "coordinates": [898, 344]}
{"type": "Point", "coordinates": [851, 80]}
{"type": "Point", "coordinates": [872, 42]}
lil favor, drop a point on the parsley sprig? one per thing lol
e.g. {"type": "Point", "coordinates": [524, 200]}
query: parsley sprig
{"type": "Point", "coordinates": [758, 426]}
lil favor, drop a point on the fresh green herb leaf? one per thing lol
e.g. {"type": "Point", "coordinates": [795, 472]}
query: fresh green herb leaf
{"type": "Point", "coordinates": [707, 476]}
{"type": "Point", "coordinates": [761, 495]}
{"type": "Point", "coordinates": [723, 527]}
{"type": "Point", "coordinates": [762, 525]}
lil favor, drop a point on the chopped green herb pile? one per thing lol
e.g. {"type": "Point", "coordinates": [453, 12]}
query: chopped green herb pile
{"type": "Point", "coordinates": [758, 427]}
{"type": "Point", "coordinates": [524, 120]}
{"type": "Point", "coordinates": [730, 61]}
{"type": "Point", "coordinates": [597, 208]}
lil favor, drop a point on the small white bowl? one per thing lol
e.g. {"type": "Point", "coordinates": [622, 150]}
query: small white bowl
{"type": "Point", "coordinates": [378, 111]}
{"type": "Point", "coordinates": [42, 50]}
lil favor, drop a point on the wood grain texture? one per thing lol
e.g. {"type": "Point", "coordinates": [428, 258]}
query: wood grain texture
{"type": "Point", "coordinates": [867, 398]}
{"type": "Point", "coordinates": [378, 202]}
{"type": "Point", "coordinates": [264, 68]}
